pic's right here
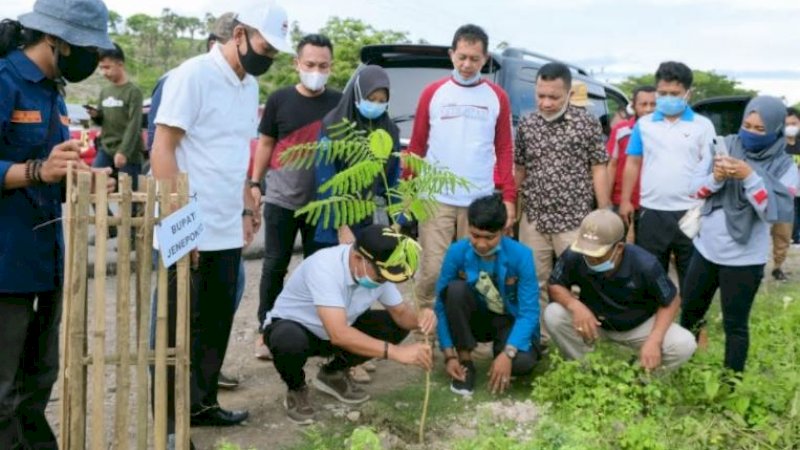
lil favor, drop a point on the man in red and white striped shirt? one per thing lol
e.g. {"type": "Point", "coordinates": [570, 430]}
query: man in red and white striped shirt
{"type": "Point", "coordinates": [462, 123]}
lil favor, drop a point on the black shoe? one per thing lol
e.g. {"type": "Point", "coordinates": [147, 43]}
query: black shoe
{"type": "Point", "coordinates": [466, 387]}
{"type": "Point", "coordinates": [226, 382]}
{"type": "Point", "coordinates": [215, 416]}
{"type": "Point", "coordinates": [779, 275]}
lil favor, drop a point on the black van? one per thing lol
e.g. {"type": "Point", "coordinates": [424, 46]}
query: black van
{"type": "Point", "coordinates": [411, 67]}
{"type": "Point", "coordinates": [726, 113]}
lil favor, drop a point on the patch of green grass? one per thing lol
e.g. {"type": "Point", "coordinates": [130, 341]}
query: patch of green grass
{"type": "Point", "coordinates": [608, 402]}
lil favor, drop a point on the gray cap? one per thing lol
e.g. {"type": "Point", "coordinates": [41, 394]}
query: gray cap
{"type": "Point", "coordinates": [83, 23]}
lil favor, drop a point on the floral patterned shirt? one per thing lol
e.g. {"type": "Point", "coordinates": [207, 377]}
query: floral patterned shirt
{"type": "Point", "coordinates": [558, 190]}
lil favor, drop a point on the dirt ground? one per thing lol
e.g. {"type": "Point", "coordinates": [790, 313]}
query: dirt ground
{"type": "Point", "coordinates": [261, 391]}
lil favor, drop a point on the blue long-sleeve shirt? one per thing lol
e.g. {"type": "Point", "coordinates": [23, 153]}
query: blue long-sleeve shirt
{"type": "Point", "coordinates": [33, 120]}
{"type": "Point", "coordinates": [516, 275]}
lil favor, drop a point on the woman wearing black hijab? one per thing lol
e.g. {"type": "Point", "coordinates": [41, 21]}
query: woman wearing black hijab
{"type": "Point", "coordinates": [364, 102]}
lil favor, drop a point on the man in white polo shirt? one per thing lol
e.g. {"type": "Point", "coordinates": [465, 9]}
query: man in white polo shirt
{"type": "Point", "coordinates": [324, 309]}
{"type": "Point", "coordinates": [666, 146]}
{"type": "Point", "coordinates": [462, 123]}
{"type": "Point", "coordinates": [207, 116]}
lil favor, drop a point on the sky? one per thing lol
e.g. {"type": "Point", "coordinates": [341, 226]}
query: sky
{"type": "Point", "coordinates": [755, 41]}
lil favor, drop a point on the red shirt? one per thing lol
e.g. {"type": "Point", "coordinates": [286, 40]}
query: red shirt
{"type": "Point", "coordinates": [616, 146]}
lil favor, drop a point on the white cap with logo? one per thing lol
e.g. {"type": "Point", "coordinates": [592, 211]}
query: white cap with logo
{"type": "Point", "coordinates": [271, 21]}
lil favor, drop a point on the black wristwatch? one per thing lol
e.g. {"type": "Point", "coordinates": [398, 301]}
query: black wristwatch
{"type": "Point", "coordinates": [257, 184]}
{"type": "Point", "coordinates": [247, 212]}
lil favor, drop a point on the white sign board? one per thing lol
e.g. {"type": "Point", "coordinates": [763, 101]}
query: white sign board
{"type": "Point", "coordinates": [179, 233]}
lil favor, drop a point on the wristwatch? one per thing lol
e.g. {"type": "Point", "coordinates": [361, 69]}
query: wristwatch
{"type": "Point", "coordinates": [510, 351]}
{"type": "Point", "coordinates": [255, 184]}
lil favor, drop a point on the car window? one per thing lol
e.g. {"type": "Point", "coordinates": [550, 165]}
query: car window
{"type": "Point", "coordinates": [407, 85]}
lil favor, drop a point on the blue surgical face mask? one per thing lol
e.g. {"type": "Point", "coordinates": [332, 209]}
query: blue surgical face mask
{"type": "Point", "coordinates": [465, 81]}
{"type": "Point", "coordinates": [670, 105]}
{"type": "Point", "coordinates": [605, 266]}
{"type": "Point", "coordinates": [365, 281]}
{"type": "Point", "coordinates": [371, 110]}
{"type": "Point", "coordinates": [754, 142]}
{"type": "Point", "coordinates": [368, 109]}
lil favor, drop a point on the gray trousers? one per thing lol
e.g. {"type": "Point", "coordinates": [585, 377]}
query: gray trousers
{"type": "Point", "coordinates": [678, 346]}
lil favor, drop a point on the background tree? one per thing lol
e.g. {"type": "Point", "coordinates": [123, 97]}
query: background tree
{"type": "Point", "coordinates": [114, 21]}
{"type": "Point", "coordinates": [705, 85]}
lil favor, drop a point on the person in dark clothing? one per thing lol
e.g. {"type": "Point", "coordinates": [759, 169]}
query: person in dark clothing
{"type": "Point", "coordinates": [57, 41]}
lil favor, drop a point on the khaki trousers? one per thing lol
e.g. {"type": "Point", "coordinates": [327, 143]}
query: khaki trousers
{"type": "Point", "coordinates": [545, 246]}
{"type": "Point", "coordinates": [678, 346]}
{"type": "Point", "coordinates": [435, 236]}
{"type": "Point", "coordinates": [781, 239]}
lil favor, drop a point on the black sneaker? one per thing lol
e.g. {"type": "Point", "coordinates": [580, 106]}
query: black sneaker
{"type": "Point", "coordinates": [226, 382]}
{"type": "Point", "coordinates": [779, 275]}
{"type": "Point", "coordinates": [466, 387]}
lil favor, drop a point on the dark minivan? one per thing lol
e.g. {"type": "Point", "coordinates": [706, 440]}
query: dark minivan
{"type": "Point", "coordinates": [411, 67]}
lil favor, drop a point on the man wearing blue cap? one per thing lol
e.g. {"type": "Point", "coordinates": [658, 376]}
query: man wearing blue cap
{"type": "Point", "coordinates": [58, 40]}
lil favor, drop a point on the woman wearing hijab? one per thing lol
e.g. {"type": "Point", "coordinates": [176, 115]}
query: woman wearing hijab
{"type": "Point", "coordinates": [57, 41]}
{"type": "Point", "coordinates": [364, 102]}
{"type": "Point", "coordinates": [744, 193]}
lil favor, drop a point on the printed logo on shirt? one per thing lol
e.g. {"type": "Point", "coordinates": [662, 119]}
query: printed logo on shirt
{"type": "Point", "coordinates": [21, 116]}
{"type": "Point", "coordinates": [473, 112]}
{"type": "Point", "coordinates": [112, 102]}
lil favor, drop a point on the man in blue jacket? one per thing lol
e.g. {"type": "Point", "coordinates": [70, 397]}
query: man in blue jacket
{"type": "Point", "coordinates": [487, 292]}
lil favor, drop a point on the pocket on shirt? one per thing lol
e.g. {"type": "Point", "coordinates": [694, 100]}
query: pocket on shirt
{"type": "Point", "coordinates": [22, 135]}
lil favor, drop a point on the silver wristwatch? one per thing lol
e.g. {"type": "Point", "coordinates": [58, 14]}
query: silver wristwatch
{"type": "Point", "coordinates": [510, 351]}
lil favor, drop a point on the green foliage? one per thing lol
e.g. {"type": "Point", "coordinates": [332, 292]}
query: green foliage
{"type": "Point", "coordinates": [364, 438]}
{"type": "Point", "coordinates": [365, 155]}
{"type": "Point", "coordinates": [705, 85]}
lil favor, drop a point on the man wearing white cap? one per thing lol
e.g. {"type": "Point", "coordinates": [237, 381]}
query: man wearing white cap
{"type": "Point", "coordinates": [207, 116]}
{"type": "Point", "coordinates": [625, 296]}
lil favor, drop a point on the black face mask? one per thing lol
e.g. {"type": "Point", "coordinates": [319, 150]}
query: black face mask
{"type": "Point", "coordinates": [79, 65]}
{"type": "Point", "coordinates": [252, 62]}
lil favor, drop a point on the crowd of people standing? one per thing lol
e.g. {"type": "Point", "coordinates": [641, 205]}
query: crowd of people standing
{"type": "Point", "coordinates": [600, 220]}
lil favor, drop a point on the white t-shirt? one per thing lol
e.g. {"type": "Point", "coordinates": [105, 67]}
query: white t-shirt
{"type": "Point", "coordinates": [219, 113]}
{"type": "Point", "coordinates": [324, 279]}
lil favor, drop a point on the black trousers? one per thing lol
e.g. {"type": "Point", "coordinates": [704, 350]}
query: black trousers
{"type": "Point", "coordinates": [658, 233]}
{"type": "Point", "coordinates": [738, 287]}
{"type": "Point", "coordinates": [470, 322]}
{"type": "Point", "coordinates": [28, 368]}
{"type": "Point", "coordinates": [280, 230]}
{"type": "Point", "coordinates": [292, 344]}
{"type": "Point", "coordinates": [212, 299]}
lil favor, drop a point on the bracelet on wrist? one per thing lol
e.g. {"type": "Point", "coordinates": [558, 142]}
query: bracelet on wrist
{"type": "Point", "coordinates": [248, 212]}
{"type": "Point", "coordinates": [448, 358]}
{"type": "Point", "coordinates": [385, 349]}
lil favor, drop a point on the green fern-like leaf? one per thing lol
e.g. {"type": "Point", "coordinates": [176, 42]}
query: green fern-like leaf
{"type": "Point", "coordinates": [341, 210]}
{"type": "Point", "coordinates": [353, 179]}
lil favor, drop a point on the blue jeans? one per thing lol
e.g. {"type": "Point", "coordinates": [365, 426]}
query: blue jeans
{"type": "Point", "coordinates": [104, 160]}
{"type": "Point", "coordinates": [796, 230]}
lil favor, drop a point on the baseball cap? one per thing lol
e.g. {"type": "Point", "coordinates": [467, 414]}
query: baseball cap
{"type": "Point", "coordinates": [272, 22]}
{"type": "Point", "coordinates": [599, 231]}
{"type": "Point", "coordinates": [377, 243]}
{"type": "Point", "coordinates": [83, 23]}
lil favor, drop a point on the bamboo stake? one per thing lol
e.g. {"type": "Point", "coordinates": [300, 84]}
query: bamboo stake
{"type": "Point", "coordinates": [123, 314]}
{"type": "Point", "coordinates": [76, 371]}
{"type": "Point", "coordinates": [98, 343]}
{"type": "Point", "coordinates": [69, 246]}
{"type": "Point", "coordinates": [160, 401]}
{"type": "Point", "coordinates": [182, 396]}
{"type": "Point", "coordinates": [144, 256]}
{"type": "Point", "coordinates": [426, 401]}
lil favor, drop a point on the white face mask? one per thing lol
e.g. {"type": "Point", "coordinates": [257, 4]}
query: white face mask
{"type": "Point", "coordinates": [791, 131]}
{"type": "Point", "coordinates": [313, 81]}
{"type": "Point", "coordinates": [553, 117]}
